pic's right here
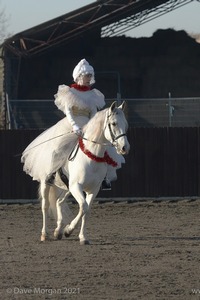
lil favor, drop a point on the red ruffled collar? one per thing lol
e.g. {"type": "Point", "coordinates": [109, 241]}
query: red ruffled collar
{"type": "Point", "coordinates": [81, 88]}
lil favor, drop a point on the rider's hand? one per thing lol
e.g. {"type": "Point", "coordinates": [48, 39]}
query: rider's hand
{"type": "Point", "coordinates": [77, 129]}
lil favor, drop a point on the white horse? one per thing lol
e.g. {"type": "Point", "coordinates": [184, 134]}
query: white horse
{"type": "Point", "coordinates": [85, 171]}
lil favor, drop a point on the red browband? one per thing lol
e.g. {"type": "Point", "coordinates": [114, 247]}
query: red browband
{"type": "Point", "coordinates": [106, 158]}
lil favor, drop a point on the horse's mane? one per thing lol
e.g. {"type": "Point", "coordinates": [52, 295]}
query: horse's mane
{"type": "Point", "coordinates": [95, 125]}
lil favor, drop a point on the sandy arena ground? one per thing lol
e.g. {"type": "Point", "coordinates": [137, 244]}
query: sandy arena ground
{"type": "Point", "coordinates": [143, 250]}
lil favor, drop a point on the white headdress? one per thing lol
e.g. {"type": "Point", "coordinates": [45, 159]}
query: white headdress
{"type": "Point", "coordinates": [83, 68]}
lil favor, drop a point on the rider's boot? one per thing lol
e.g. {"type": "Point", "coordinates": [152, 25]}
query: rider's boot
{"type": "Point", "coordinates": [106, 185]}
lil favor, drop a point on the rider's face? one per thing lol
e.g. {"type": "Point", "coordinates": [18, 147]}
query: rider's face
{"type": "Point", "coordinates": [86, 79]}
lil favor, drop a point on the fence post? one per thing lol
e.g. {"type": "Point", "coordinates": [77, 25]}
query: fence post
{"type": "Point", "coordinates": [171, 110]}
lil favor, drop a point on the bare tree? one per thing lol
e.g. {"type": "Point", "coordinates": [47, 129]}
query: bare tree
{"type": "Point", "coordinates": [4, 23]}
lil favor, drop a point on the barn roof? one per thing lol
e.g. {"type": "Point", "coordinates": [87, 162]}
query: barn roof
{"type": "Point", "coordinates": [71, 25]}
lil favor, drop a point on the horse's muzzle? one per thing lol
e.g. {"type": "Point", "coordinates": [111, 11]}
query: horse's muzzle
{"type": "Point", "coordinates": [124, 150]}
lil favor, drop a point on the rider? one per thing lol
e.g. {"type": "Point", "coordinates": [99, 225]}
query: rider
{"type": "Point", "coordinates": [79, 102]}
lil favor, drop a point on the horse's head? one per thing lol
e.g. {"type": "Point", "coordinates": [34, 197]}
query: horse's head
{"type": "Point", "coordinates": [115, 128]}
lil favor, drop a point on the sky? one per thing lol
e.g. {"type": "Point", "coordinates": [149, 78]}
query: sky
{"type": "Point", "coordinates": [25, 14]}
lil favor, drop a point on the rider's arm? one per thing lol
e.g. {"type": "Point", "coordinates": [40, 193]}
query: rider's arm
{"type": "Point", "coordinates": [69, 115]}
{"type": "Point", "coordinates": [70, 118]}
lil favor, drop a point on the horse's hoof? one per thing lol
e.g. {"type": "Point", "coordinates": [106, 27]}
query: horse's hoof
{"type": "Point", "coordinates": [44, 237]}
{"type": "Point", "coordinates": [58, 235]}
{"type": "Point", "coordinates": [67, 231]}
{"type": "Point", "coordinates": [84, 242]}
{"type": "Point", "coordinates": [67, 234]}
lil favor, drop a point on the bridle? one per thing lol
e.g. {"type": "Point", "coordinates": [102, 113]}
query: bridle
{"type": "Point", "coordinates": [113, 137]}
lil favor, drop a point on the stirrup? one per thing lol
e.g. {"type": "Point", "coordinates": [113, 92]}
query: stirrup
{"type": "Point", "coordinates": [106, 185]}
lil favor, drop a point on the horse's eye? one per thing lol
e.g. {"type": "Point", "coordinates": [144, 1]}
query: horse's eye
{"type": "Point", "coordinates": [114, 124]}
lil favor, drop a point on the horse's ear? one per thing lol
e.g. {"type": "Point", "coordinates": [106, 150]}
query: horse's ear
{"type": "Point", "coordinates": [122, 106]}
{"type": "Point", "coordinates": [113, 105]}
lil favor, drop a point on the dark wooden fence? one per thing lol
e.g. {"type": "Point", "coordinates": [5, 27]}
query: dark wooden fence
{"type": "Point", "coordinates": [163, 162]}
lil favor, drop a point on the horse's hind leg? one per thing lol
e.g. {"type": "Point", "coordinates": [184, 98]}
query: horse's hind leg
{"type": "Point", "coordinates": [62, 220]}
{"type": "Point", "coordinates": [44, 192]}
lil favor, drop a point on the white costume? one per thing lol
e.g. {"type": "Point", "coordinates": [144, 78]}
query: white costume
{"type": "Point", "coordinates": [48, 152]}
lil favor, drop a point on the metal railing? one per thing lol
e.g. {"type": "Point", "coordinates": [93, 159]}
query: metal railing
{"type": "Point", "coordinates": [165, 112]}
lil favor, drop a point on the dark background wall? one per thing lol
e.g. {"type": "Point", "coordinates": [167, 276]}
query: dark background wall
{"type": "Point", "coordinates": [162, 162]}
{"type": "Point", "coordinates": [169, 61]}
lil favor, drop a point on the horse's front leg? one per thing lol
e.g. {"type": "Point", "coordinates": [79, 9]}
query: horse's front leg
{"type": "Point", "coordinates": [78, 194]}
{"type": "Point", "coordinates": [82, 234]}
{"type": "Point", "coordinates": [44, 191]}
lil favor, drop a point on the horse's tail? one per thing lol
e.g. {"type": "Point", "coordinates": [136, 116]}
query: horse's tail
{"type": "Point", "coordinates": [52, 197]}
{"type": "Point", "coordinates": [54, 194]}
{"type": "Point", "coordinates": [52, 202]}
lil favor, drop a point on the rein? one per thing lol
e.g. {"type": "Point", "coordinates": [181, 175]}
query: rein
{"type": "Point", "coordinates": [112, 144]}
{"type": "Point", "coordinates": [95, 142]}
{"type": "Point", "coordinates": [106, 158]}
